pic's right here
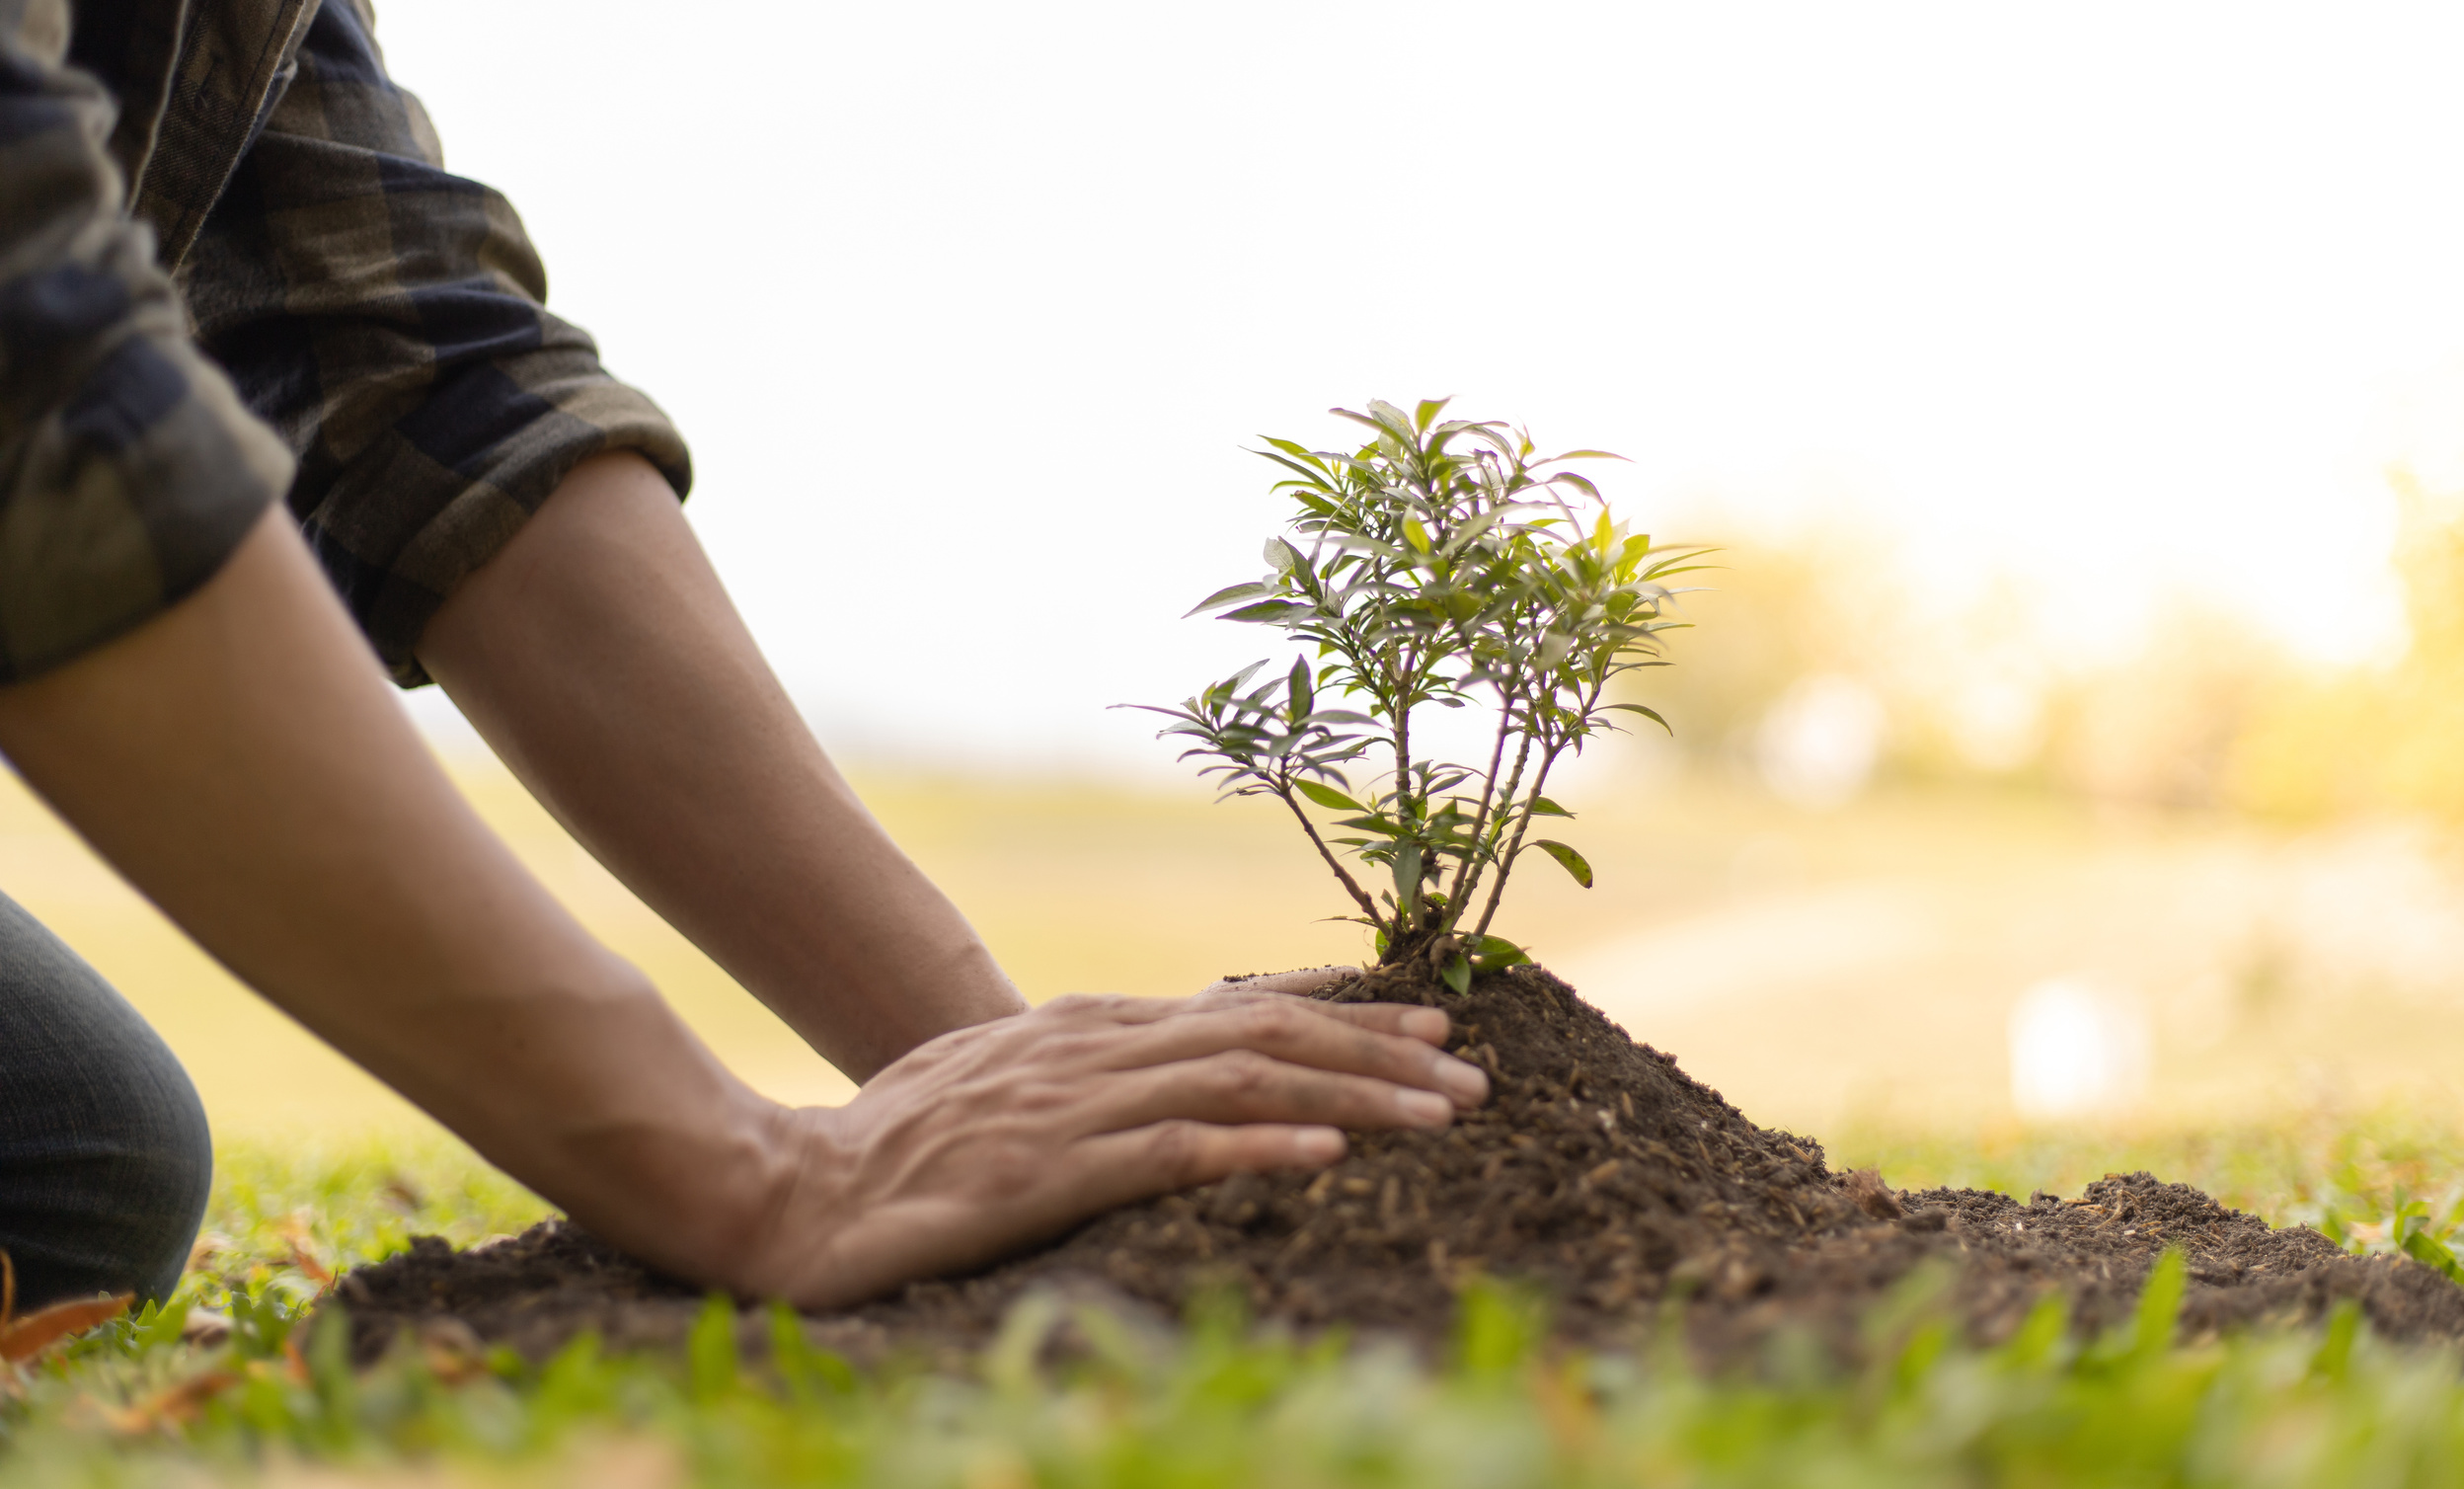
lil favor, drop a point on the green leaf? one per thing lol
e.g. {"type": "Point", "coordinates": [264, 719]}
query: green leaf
{"type": "Point", "coordinates": [1541, 806]}
{"type": "Point", "coordinates": [1266, 609]}
{"type": "Point", "coordinates": [1406, 873]}
{"type": "Point", "coordinates": [2160, 1305]}
{"type": "Point", "coordinates": [1416, 534]}
{"type": "Point", "coordinates": [1327, 797]}
{"type": "Point", "coordinates": [1301, 694]}
{"type": "Point", "coordinates": [2426, 1249]}
{"type": "Point", "coordinates": [1312, 477]}
{"type": "Point", "coordinates": [1227, 595]}
{"type": "Point", "coordinates": [710, 1349]}
{"type": "Point", "coordinates": [1637, 708]}
{"type": "Point", "coordinates": [2335, 1352]}
{"type": "Point", "coordinates": [1496, 951]}
{"type": "Point", "coordinates": [1567, 859]}
{"type": "Point", "coordinates": [1458, 973]}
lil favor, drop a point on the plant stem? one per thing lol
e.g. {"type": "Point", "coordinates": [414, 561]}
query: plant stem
{"type": "Point", "coordinates": [1506, 860]}
{"type": "Point", "coordinates": [1505, 809]}
{"type": "Point", "coordinates": [1406, 897]}
{"type": "Point", "coordinates": [1463, 879]}
{"type": "Point", "coordinates": [1539, 785]}
{"type": "Point", "coordinates": [1367, 906]}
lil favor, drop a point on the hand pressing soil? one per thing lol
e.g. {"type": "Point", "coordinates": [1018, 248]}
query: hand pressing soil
{"type": "Point", "coordinates": [1598, 1171]}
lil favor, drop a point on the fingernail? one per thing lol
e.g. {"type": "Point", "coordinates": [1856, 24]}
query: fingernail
{"type": "Point", "coordinates": [1464, 1081]}
{"type": "Point", "coordinates": [1427, 1024]}
{"type": "Point", "coordinates": [1319, 1145]}
{"type": "Point", "coordinates": [1424, 1108]}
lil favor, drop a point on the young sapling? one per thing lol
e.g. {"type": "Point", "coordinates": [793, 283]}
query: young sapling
{"type": "Point", "coordinates": [1441, 565]}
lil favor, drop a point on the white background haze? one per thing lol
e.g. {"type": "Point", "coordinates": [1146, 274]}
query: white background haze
{"type": "Point", "coordinates": [967, 309]}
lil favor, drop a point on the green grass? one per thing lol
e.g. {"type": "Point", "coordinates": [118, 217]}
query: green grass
{"type": "Point", "coordinates": [1229, 1405]}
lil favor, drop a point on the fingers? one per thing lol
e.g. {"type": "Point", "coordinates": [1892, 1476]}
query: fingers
{"type": "Point", "coordinates": [1300, 1032]}
{"type": "Point", "coordinates": [1245, 1086]}
{"type": "Point", "coordinates": [1108, 1007]}
{"type": "Point", "coordinates": [1119, 1168]}
{"type": "Point", "coordinates": [1301, 984]}
{"type": "Point", "coordinates": [1427, 1025]}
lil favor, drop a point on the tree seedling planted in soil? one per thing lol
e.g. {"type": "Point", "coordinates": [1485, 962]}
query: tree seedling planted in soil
{"type": "Point", "coordinates": [1441, 565]}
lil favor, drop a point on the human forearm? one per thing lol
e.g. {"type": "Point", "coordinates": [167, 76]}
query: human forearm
{"type": "Point", "coordinates": [600, 657]}
{"type": "Point", "coordinates": [239, 760]}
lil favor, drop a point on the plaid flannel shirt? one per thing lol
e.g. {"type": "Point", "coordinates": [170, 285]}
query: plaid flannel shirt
{"type": "Point", "coordinates": [233, 269]}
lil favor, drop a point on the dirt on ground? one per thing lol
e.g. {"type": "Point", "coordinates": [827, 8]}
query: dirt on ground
{"type": "Point", "coordinates": [1598, 1172]}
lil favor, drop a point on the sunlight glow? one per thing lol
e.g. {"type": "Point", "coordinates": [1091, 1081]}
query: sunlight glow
{"type": "Point", "coordinates": [968, 307]}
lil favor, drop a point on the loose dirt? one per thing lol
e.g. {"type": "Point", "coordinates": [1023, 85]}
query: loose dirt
{"type": "Point", "coordinates": [1598, 1172]}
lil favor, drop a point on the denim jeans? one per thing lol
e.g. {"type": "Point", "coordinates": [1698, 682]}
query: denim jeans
{"type": "Point", "coordinates": [105, 1157]}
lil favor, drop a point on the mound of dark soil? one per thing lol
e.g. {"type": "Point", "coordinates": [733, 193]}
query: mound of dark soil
{"type": "Point", "coordinates": [1598, 1171]}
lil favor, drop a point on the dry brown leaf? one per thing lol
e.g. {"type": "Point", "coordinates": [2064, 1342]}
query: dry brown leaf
{"type": "Point", "coordinates": [23, 1339]}
{"type": "Point", "coordinates": [294, 1231]}
{"type": "Point", "coordinates": [452, 1351]}
{"type": "Point", "coordinates": [174, 1405]}
{"type": "Point", "coordinates": [209, 1244]}
{"type": "Point", "coordinates": [402, 1194]}
{"type": "Point", "coordinates": [1874, 1197]}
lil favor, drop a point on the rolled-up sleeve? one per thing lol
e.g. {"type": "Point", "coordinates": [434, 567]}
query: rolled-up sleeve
{"type": "Point", "coordinates": [388, 319]}
{"type": "Point", "coordinates": [129, 469]}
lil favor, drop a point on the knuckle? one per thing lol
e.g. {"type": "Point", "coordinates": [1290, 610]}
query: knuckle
{"type": "Point", "coordinates": [1068, 1045]}
{"type": "Point", "coordinates": [1275, 1018]}
{"type": "Point", "coordinates": [1037, 1098]}
{"type": "Point", "coordinates": [1003, 1153]}
{"type": "Point", "coordinates": [1242, 1072]}
{"type": "Point", "coordinates": [1178, 1150]}
{"type": "Point", "coordinates": [1385, 1052]}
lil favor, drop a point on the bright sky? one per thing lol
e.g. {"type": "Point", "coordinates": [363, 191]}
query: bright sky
{"type": "Point", "coordinates": [967, 309]}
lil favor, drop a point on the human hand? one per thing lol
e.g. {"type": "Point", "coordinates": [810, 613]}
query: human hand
{"type": "Point", "coordinates": [994, 1136]}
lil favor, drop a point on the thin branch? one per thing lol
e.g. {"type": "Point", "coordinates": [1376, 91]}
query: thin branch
{"type": "Point", "coordinates": [1406, 897]}
{"type": "Point", "coordinates": [1539, 787]}
{"type": "Point", "coordinates": [1350, 886]}
{"type": "Point", "coordinates": [1522, 825]}
{"type": "Point", "coordinates": [1480, 824]}
{"type": "Point", "coordinates": [1507, 798]}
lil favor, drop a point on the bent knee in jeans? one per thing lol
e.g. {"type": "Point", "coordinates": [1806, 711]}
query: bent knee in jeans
{"type": "Point", "coordinates": [105, 1155]}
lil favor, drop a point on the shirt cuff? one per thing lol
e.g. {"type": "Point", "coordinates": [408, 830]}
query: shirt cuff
{"type": "Point", "coordinates": [126, 497]}
{"type": "Point", "coordinates": [442, 490]}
